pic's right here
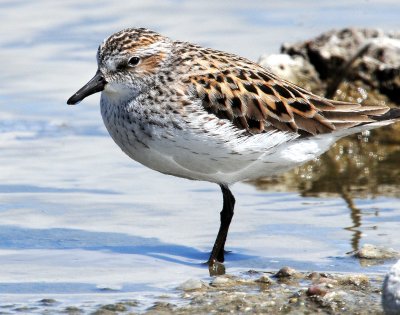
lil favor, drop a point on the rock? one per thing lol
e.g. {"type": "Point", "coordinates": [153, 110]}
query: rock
{"type": "Point", "coordinates": [191, 285]}
{"type": "Point", "coordinates": [286, 272]}
{"type": "Point", "coordinates": [316, 290]}
{"type": "Point", "coordinates": [72, 310]}
{"type": "Point", "coordinates": [131, 303]}
{"type": "Point", "coordinates": [339, 296]}
{"type": "Point", "coordinates": [369, 251]}
{"type": "Point", "coordinates": [159, 308]}
{"type": "Point", "coordinates": [314, 276]}
{"type": "Point", "coordinates": [295, 69]}
{"type": "Point", "coordinates": [117, 307]}
{"type": "Point", "coordinates": [241, 294]}
{"type": "Point", "coordinates": [25, 310]}
{"type": "Point", "coordinates": [109, 287]}
{"type": "Point", "coordinates": [270, 303]}
{"type": "Point", "coordinates": [328, 282]}
{"type": "Point", "coordinates": [251, 272]}
{"type": "Point", "coordinates": [264, 279]}
{"type": "Point", "coordinates": [48, 302]}
{"type": "Point", "coordinates": [221, 281]}
{"type": "Point", "coordinates": [322, 278]}
{"type": "Point", "coordinates": [369, 56]}
{"type": "Point", "coordinates": [391, 291]}
{"type": "Point", "coordinates": [357, 280]}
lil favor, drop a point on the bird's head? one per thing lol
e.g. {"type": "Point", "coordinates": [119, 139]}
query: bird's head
{"type": "Point", "coordinates": [129, 62]}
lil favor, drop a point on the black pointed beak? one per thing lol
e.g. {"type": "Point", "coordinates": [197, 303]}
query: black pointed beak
{"type": "Point", "coordinates": [96, 84]}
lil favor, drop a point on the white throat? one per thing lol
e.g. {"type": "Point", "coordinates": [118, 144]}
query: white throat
{"type": "Point", "coordinates": [119, 94]}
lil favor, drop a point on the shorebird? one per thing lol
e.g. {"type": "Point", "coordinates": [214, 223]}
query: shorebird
{"type": "Point", "coordinates": [203, 114]}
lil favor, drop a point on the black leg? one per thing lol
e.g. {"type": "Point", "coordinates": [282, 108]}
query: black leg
{"type": "Point", "coordinates": [217, 253]}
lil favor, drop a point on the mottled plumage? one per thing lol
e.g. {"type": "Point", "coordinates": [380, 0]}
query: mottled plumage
{"type": "Point", "coordinates": [204, 114]}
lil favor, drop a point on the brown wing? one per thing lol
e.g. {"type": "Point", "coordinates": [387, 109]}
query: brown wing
{"type": "Point", "coordinates": [256, 100]}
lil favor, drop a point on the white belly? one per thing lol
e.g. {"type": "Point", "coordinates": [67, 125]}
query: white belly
{"type": "Point", "coordinates": [203, 149]}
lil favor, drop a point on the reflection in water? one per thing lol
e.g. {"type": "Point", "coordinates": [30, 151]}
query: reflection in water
{"type": "Point", "coordinates": [359, 166]}
{"type": "Point", "coordinates": [355, 214]}
{"type": "Point", "coordinates": [363, 166]}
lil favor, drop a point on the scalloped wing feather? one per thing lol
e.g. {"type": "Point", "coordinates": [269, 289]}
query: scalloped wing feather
{"type": "Point", "coordinates": [256, 100]}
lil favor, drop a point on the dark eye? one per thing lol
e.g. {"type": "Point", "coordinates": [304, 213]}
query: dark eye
{"type": "Point", "coordinates": [133, 61]}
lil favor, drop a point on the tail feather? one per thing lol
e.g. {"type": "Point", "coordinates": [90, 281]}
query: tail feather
{"type": "Point", "coordinates": [344, 115]}
{"type": "Point", "coordinates": [391, 114]}
{"type": "Point", "coordinates": [383, 118]}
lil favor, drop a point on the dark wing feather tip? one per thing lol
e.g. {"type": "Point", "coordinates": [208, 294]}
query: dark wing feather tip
{"type": "Point", "coordinates": [393, 113]}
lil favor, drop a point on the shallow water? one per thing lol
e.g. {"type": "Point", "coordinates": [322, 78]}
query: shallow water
{"type": "Point", "coordinates": [81, 223]}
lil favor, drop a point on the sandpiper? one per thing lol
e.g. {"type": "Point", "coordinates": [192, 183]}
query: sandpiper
{"type": "Point", "coordinates": [203, 114]}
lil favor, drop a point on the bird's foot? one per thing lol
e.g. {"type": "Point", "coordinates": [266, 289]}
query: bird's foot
{"type": "Point", "coordinates": [215, 268]}
{"type": "Point", "coordinates": [215, 263]}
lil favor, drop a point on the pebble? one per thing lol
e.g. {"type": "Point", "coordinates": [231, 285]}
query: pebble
{"type": "Point", "coordinates": [73, 310]}
{"type": "Point", "coordinates": [322, 278]}
{"type": "Point", "coordinates": [286, 272]}
{"type": "Point", "coordinates": [357, 280]}
{"type": "Point", "coordinates": [132, 303]}
{"type": "Point", "coordinates": [191, 285]}
{"type": "Point", "coordinates": [338, 295]}
{"type": "Point", "coordinates": [327, 281]}
{"type": "Point", "coordinates": [314, 276]}
{"type": "Point", "coordinates": [48, 302]}
{"type": "Point", "coordinates": [369, 251]}
{"type": "Point", "coordinates": [264, 279]}
{"type": "Point", "coordinates": [235, 294]}
{"type": "Point", "coordinates": [220, 281]}
{"type": "Point", "coordinates": [117, 307]}
{"type": "Point", "coordinates": [24, 310]}
{"type": "Point", "coordinates": [391, 291]}
{"type": "Point", "coordinates": [160, 308]}
{"type": "Point", "coordinates": [316, 290]}
{"type": "Point", "coordinates": [109, 287]}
